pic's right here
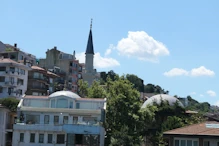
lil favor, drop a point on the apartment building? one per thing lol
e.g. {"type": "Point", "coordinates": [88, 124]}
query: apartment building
{"type": "Point", "coordinates": [65, 65]}
{"type": "Point", "coordinates": [62, 119]}
{"type": "Point", "coordinates": [13, 78]}
{"type": "Point", "coordinates": [40, 81]}
{"type": "Point", "coordinates": [15, 54]}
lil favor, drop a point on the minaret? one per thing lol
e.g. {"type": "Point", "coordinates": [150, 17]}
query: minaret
{"type": "Point", "coordinates": [89, 54]}
{"type": "Point", "coordinates": [89, 74]}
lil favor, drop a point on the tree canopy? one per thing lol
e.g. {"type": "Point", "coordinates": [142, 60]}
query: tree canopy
{"type": "Point", "coordinates": [10, 103]}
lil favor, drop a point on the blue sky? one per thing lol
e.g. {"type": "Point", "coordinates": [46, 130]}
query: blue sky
{"type": "Point", "coordinates": [170, 43]}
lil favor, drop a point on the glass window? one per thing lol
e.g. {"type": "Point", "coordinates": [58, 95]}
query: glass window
{"type": "Point", "coordinates": [52, 103]}
{"type": "Point", "coordinates": [189, 142]}
{"type": "Point", "coordinates": [75, 120]}
{"type": "Point", "coordinates": [71, 104]}
{"type": "Point", "coordinates": [50, 138]}
{"type": "Point", "coordinates": [60, 139]}
{"type": "Point", "coordinates": [65, 120]}
{"type": "Point", "coordinates": [183, 143]}
{"type": "Point", "coordinates": [195, 143]}
{"type": "Point", "coordinates": [21, 137]}
{"type": "Point", "coordinates": [46, 119]}
{"type": "Point", "coordinates": [2, 79]}
{"type": "Point", "coordinates": [33, 119]}
{"type": "Point", "coordinates": [41, 138]}
{"type": "Point", "coordinates": [62, 103]}
{"type": "Point", "coordinates": [77, 105]}
{"type": "Point", "coordinates": [206, 143]}
{"type": "Point", "coordinates": [56, 119]}
{"type": "Point", "coordinates": [32, 137]}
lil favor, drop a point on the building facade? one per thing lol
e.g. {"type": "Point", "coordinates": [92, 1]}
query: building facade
{"type": "Point", "coordinates": [65, 65]}
{"type": "Point", "coordinates": [40, 81]}
{"type": "Point", "coordinates": [15, 54]}
{"type": "Point", "coordinates": [62, 119]}
{"type": "Point", "coordinates": [13, 78]}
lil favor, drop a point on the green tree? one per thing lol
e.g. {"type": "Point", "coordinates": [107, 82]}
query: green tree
{"type": "Point", "coordinates": [124, 118]}
{"type": "Point", "coordinates": [138, 82]}
{"type": "Point", "coordinates": [10, 103]}
{"type": "Point", "coordinates": [96, 91]}
{"type": "Point", "coordinates": [82, 88]}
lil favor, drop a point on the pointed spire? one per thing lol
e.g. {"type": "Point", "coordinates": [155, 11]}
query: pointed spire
{"type": "Point", "coordinates": [90, 48]}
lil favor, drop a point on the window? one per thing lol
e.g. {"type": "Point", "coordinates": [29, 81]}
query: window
{"type": "Point", "coordinates": [1, 89]}
{"type": "Point", "coordinates": [41, 138]}
{"type": "Point", "coordinates": [11, 79]}
{"type": "Point", "coordinates": [62, 103]}
{"type": "Point", "coordinates": [60, 139]}
{"type": "Point", "coordinates": [32, 119]}
{"type": "Point", "coordinates": [195, 143]}
{"type": "Point", "coordinates": [75, 120]}
{"type": "Point", "coordinates": [22, 71]}
{"type": "Point", "coordinates": [52, 103]}
{"type": "Point", "coordinates": [206, 143]}
{"type": "Point", "coordinates": [21, 137]}
{"type": "Point", "coordinates": [77, 105]}
{"type": "Point", "coordinates": [176, 142]}
{"type": "Point", "coordinates": [20, 82]}
{"type": "Point", "coordinates": [56, 119]}
{"type": "Point", "coordinates": [183, 143]}
{"type": "Point", "coordinates": [12, 69]}
{"type": "Point", "coordinates": [65, 120]}
{"type": "Point", "coordinates": [32, 137]}
{"type": "Point", "coordinates": [189, 142]}
{"type": "Point", "coordinates": [71, 104]}
{"type": "Point", "coordinates": [2, 79]}
{"type": "Point", "coordinates": [49, 138]}
{"type": "Point", "coordinates": [2, 68]}
{"type": "Point", "coordinates": [46, 119]}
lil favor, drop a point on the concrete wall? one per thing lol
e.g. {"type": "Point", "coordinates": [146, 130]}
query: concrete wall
{"type": "Point", "coordinates": [3, 124]}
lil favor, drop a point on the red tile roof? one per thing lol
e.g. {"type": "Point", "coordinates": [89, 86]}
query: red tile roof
{"type": "Point", "coordinates": [42, 69]}
{"type": "Point", "coordinates": [37, 68]}
{"type": "Point", "coordinates": [196, 129]}
{"type": "Point", "coordinates": [8, 60]}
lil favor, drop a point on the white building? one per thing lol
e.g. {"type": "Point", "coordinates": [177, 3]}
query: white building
{"type": "Point", "coordinates": [5, 126]}
{"type": "Point", "coordinates": [61, 119]}
{"type": "Point", "coordinates": [13, 78]}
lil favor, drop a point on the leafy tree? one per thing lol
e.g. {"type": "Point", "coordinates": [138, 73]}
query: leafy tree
{"type": "Point", "coordinates": [96, 91]}
{"type": "Point", "coordinates": [124, 118]}
{"type": "Point", "coordinates": [10, 103]}
{"type": "Point", "coordinates": [138, 82]}
{"type": "Point", "coordinates": [82, 88]}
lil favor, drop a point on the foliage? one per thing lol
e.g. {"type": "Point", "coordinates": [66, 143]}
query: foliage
{"type": "Point", "coordinates": [111, 74]}
{"type": "Point", "coordinates": [96, 91]}
{"type": "Point", "coordinates": [150, 88]}
{"type": "Point", "coordinates": [196, 106]}
{"type": "Point", "coordinates": [138, 82]}
{"type": "Point", "coordinates": [82, 88]}
{"type": "Point", "coordinates": [10, 103]}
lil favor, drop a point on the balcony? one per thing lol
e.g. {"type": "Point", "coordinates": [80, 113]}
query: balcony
{"type": "Point", "coordinates": [10, 84]}
{"type": "Point", "coordinates": [38, 87]}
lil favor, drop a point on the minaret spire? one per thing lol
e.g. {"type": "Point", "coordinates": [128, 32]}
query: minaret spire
{"type": "Point", "coordinates": [91, 24]}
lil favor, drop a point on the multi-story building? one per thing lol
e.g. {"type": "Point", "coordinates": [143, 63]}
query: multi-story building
{"type": "Point", "coordinates": [15, 54]}
{"type": "Point", "coordinates": [40, 81]}
{"type": "Point", "coordinates": [62, 119]}
{"type": "Point", "coordinates": [6, 125]}
{"type": "Point", "coordinates": [65, 65]}
{"type": "Point", "coordinates": [13, 78]}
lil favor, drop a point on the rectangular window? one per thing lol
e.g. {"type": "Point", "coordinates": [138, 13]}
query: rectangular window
{"type": "Point", "coordinates": [183, 143]}
{"type": "Point", "coordinates": [41, 138]}
{"type": "Point", "coordinates": [12, 69]}
{"type": "Point", "coordinates": [20, 82]}
{"type": "Point", "coordinates": [65, 120]}
{"type": "Point", "coordinates": [189, 142]}
{"type": "Point", "coordinates": [32, 119]}
{"type": "Point", "coordinates": [1, 89]}
{"type": "Point", "coordinates": [77, 105]}
{"type": "Point", "coordinates": [46, 119]}
{"type": "Point", "coordinates": [21, 137]}
{"type": "Point", "coordinates": [50, 138]}
{"type": "Point", "coordinates": [56, 119]}
{"type": "Point", "coordinates": [206, 143]}
{"type": "Point", "coordinates": [195, 143]}
{"type": "Point", "coordinates": [75, 120]}
{"type": "Point", "coordinates": [32, 137]}
{"type": "Point", "coordinates": [53, 104]}
{"type": "Point", "coordinates": [2, 68]}
{"type": "Point", "coordinates": [60, 139]}
{"type": "Point", "coordinates": [2, 79]}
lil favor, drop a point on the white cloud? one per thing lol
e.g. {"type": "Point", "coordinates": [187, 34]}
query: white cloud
{"type": "Point", "coordinates": [211, 93]}
{"type": "Point", "coordinates": [140, 45]}
{"type": "Point", "coordinates": [176, 72]}
{"type": "Point", "coordinates": [109, 50]}
{"type": "Point", "coordinates": [99, 61]}
{"type": "Point", "coordinates": [195, 72]}
{"type": "Point", "coordinates": [202, 71]}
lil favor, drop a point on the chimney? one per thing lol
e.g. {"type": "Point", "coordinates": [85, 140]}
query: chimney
{"type": "Point", "coordinates": [15, 45]}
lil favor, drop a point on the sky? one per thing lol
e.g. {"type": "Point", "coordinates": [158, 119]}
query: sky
{"type": "Point", "coordinates": [173, 44]}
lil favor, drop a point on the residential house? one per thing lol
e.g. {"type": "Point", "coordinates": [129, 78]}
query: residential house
{"type": "Point", "coordinates": [13, 78]}
{"type": "Point", "coordinates": [62, 119]}
{"type": "Point", "coordinates": [40, 81]}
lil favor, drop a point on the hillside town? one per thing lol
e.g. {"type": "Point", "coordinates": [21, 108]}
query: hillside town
{"type": "Point", "coordinates": [62, 102]}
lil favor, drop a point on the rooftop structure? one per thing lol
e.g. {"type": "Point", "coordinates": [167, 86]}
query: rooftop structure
{"type": "Point", "coordinates": [62, 118]}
